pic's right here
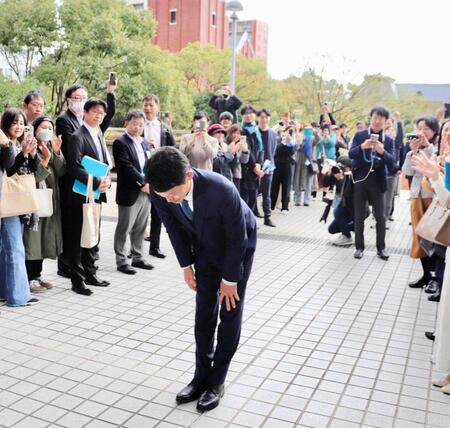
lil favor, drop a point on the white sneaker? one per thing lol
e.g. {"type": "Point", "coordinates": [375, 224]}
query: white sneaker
{"type": "Point", "coordinates": [36, 288]}
{"type": "Point", "coordinates": [285, 212]}
{"type": "Point", "coordinates": [343, 241]}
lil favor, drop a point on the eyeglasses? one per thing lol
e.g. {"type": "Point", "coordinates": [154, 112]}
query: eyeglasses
{"type": "Point", "coordinates": [37, 105]}
{"type": "Point", "coordinates": [78, 98]}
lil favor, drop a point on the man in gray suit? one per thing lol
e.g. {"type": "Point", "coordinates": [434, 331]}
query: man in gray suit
{"type": "Point", "coordinates": [269, 138]}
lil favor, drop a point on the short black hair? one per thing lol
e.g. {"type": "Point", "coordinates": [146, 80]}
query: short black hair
{"type": "Point", "coordinates": [263, 111]}
{"type": "Point", "coordinates": [71, 89]}
{"type": "Point", "coordinates": [151, 97]}
{"type": "Point", "coordinates": [431, 122]}
{"type": "Point", "coordinates": [166, 169]}
{"type": "Point", "coordinates": [315, 125]}
{"type": "Point", "coordinates": [134, 114]}
{"type": "Point", "coordinates": [379, 111]}
{"type": "Point", "coordinates": [94, 102]}
{"type": "Point", "coordinates": [343, 125]}
{"type": "Point", "coordinates": [9, 117]}
{"type": "Point", "coordinates": [325, 127]}
{"type": "Point", "coordinates": [248, 107]}
{"type": "Point", "coordinates": [200, 115]}
{"type": "Point", "coordinates": [31, 95]}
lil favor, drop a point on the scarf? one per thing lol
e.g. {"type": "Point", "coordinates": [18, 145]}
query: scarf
{"type": "Point", "coordinates": [252, 128]}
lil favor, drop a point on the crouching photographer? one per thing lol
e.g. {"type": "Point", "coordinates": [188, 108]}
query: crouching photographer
{"type": "Point", "coordinates": [340, 176]}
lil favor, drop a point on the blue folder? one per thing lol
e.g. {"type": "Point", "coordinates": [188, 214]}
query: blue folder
{"type": "Point", "coordinates": [94, 167]}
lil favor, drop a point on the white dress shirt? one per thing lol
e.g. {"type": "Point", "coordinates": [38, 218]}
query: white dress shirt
{"type": "Point", "coordinates": [96, 135]}
{"type": "Point", "coordinates": [137, 142]}
{"type": "Point", "coordinates": [152, 131]}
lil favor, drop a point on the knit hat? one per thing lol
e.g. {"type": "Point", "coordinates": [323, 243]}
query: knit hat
{"type": "Point", "coordinates": [225, 115]}
{"type": "Point", "coordinates": [40, 119]}
{"type": "Point", "coordinates": [214, 129]}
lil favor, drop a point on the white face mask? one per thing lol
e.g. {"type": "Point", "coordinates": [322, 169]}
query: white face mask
{"type": "Point", "coordinates": [44, 135]}
{"type": "Point", "coordinates": [76, 107]}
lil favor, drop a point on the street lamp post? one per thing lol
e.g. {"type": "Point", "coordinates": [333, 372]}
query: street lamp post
{"type": "Point", "coordinates": [233, 6]}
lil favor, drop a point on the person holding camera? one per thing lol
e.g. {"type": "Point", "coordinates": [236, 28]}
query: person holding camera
{"type": "Point", "coordinates": [18, 153]}
{"type": "Point", "coordinates": [424, 140]}
{"type": "Point", "coordinates": [283, 169]}
{"type": "Point", "coordinates": [225, 100]}
{"type": "Point", "coordinates": [198, 146]}
{"type": "Point", "coordinates": [305, 166]}
{"type": "Point", "coordinates": [340, 176]}
{"type": "Point", "coordinates": [371, 152]}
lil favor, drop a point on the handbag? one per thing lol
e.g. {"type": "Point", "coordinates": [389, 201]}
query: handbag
{"type": "Point", "coordinates": [313, 168]}
{"type": "Point", "coordinates": [90, 232]}
{"type": "Point", "coordinates": [434, 225]}
{"type": "Point", "coordinates": [45, 200]}
{"type": "Point", "coordinates": [18, 195]}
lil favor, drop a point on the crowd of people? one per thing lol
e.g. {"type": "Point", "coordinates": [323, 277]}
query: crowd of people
{"type": "Point", "coordinates": [274, 160]}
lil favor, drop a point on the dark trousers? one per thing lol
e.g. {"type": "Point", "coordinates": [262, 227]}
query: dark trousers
{"type": "Point", "coordinates": [155, 228]}
{"type": "Point", "coordinates": [211, 365]}
{"type": "Point", "coordinates": [265, 188]}
{"type": "Point", "coordinates": [342, 223]}
{"type": "Point", "coordinates": [249, 197]}
{"type": "Point", "coordinates": [281, 177]}
{"type": "Point", "coordinates": [80, 260]}
{"type": "Point", "coordinates": [369, 191]}
{"type": "Point", "coordinates": [34, 268]}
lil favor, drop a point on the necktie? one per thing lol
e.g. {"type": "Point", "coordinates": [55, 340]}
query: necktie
{"type": "Point", "coordinates": [186, 209]}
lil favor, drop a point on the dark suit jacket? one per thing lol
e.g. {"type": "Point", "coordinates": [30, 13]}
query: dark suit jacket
{"type": "Point", "coordinates": [129, 177]}
{"type": "Point", "coordinates": [271, 146]}
{"type": "Point", "coordinates": [359, 158]}
{"type": "Point", "coordinates": [221, 104]}
{"type": "Point", "coordinates": [67, 123]}
{"type": "Point", "coordinates": [80, 145]}
{"type": "Point", "coordinates": [222, 231]}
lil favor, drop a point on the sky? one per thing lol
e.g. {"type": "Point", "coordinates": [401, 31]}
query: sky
{"type": "Point", "coordinates": [407, 40]}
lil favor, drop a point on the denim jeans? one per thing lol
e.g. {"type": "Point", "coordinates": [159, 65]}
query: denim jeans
{"type": "Point", "coordinates": [342, 223]}
{"type": "Point", "coordinates": [14, 287]}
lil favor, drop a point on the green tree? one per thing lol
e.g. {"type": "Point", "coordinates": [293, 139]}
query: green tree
{"type": "Point", "coordinates": [28, 29]}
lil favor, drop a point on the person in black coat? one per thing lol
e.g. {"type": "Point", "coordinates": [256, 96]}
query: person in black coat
{"type": "Point", "coordinates": [86, 141]}
{"type": "Point", "coordinates": [158, 134]}
{"type": "Point", "coordinates": [132, 195]}
{"type": "Point", "coordinates": [225, 100]}
{"type": "Point", "coordinates": [66, 124]}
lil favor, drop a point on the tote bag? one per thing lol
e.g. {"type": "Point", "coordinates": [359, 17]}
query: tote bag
{"type": "Point", "coordinates": [45, 199]}
{"type": "Point", "coordinates": [90, 233]}
{"type": "Point", "coordinates": [18, 195]}
{"type": "Point", "coordinates": [434, 225]}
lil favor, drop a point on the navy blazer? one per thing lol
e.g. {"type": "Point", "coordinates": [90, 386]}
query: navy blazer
{"type": "Point", "coordinates": [360, 165]}
{"type": "Point", "coordinates": [129, 174]}
{"type": "Point", "coordinates": [271, 147]}
{"type": "Point", "coordinates": [80, 145]}
{"type": "Point", "coordinates": [223, 228]}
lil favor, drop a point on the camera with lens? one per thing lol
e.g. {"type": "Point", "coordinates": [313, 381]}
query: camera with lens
{"type": "Point", "coordinates": [337, 169]}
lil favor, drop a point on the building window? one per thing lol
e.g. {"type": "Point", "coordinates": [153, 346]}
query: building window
{"type": "Point", "coordinates": [173, 16]}
{"type": "Point", "coordinates": [213, 19]}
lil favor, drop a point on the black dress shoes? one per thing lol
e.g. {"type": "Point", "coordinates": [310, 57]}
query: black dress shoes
{"type": "Point", "coordinates": [126, 269]}
{"type": "Point", "coordinates": [142, 265]}
{"type": "Point", "coordinates": [432, 287]}
{"type": "Point", "coordinates": [156, 252]}
{"type": "Point", "coordinates": [81, 289]}
{"type": "Point", "coordinates": [269, 222]}
{"type": "Point", "coordinates": [97, 282]}
{"type": "Point", "coordinates": [435, 297]}
{"type": "Point", "coordinates": [419, 283]}
{"type": "Point", "coordinates": [383, 255]}
{"type": "Point", "coordinates": [210, 398]}
{"type": "Point", "coordinates": [358, 254]}
{"type": "Point", "coordinates": [190, 392]}
{"type": "Point", "coordinates": [429, 335]}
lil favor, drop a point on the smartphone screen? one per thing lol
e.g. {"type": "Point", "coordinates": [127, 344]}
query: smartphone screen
{"type": "Point", "coordinates": [112, 78]}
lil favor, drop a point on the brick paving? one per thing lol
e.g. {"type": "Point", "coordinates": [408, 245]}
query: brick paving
{"type": "Point", "coordinates": [327, 341]}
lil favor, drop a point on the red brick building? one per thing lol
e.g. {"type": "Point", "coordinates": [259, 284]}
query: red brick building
{"type": "Point", "coordinates": [184, 21]}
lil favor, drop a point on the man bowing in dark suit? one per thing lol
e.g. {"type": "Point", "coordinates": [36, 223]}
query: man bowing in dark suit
{"type": "Point", "coordinates": [213, 233]}
{"type": "Point", "coordinates": [86, 141]}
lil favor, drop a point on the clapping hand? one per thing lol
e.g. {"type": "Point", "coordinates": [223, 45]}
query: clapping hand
{"type": "Point", "coordinates": [46, 154]}
{"type": "Point", "coordinates": [4, 141]}
{"type": "Point", "coordinates": [426, 166]}
{"type": "Point", "coordinates": [56, 144]}
{"type": "Point", "coordinates": [29, 146]}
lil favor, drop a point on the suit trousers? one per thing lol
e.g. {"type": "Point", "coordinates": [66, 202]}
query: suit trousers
{"type": "Point", "coordinates": [212, 364]}
{"type": "Point", "coordinates": [131, 221]}
{"type": "Point", "coordinates": [155, 229]}
{"type": "Point", "coordinates": [80, 260]}
{"type": "Point", "coordinates": [265, 188]}
{"type": "Point", "coordinates": [281, 178]}
{"type": "Point", "coordinates": [369, 191]}
{"type": "Point", "coordinates": [392, 185]}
